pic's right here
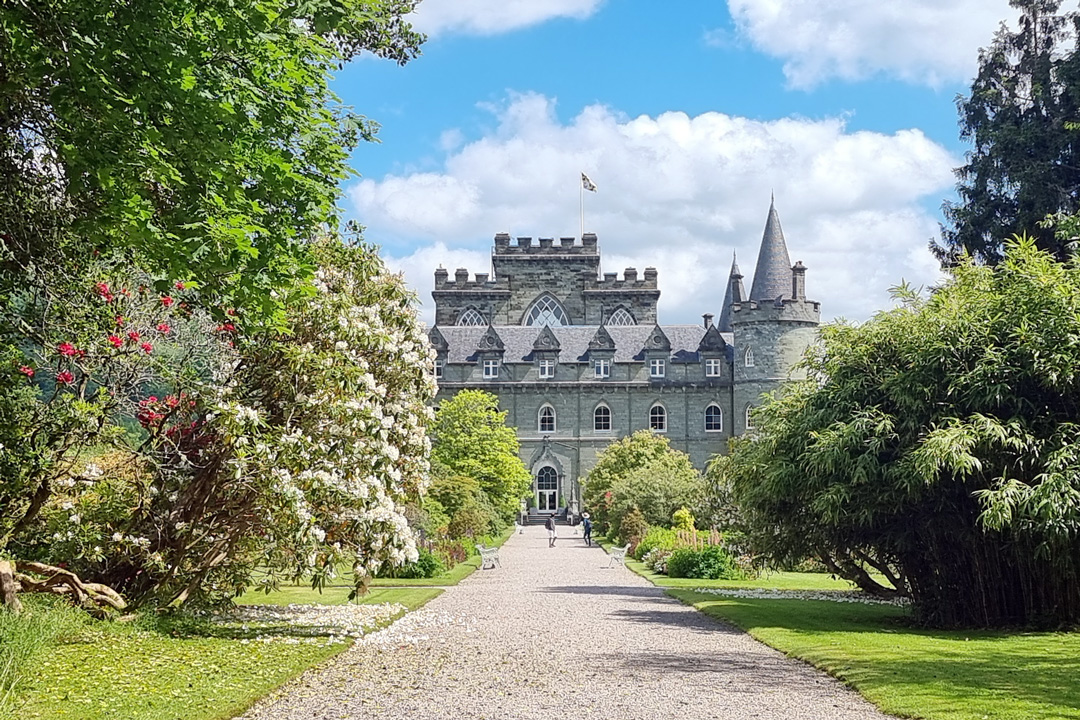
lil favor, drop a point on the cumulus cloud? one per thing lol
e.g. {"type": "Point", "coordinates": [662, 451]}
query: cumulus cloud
{"type": "Point", "coordinates": [679, 193]}
{"type": "Point", "coordinates": [921, 41]}
{"type": "Point", "coordinates": [489, 17]}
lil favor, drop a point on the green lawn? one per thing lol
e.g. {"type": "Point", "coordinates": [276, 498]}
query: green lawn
{"type": "Point", "coordinates": [411, 598]}
{"type": "Point", "coordinates": [935, 675]}
{"type": "Point", "coordinates": [452, 576]}
{"type": "Point", "coordinates": [775, 580]}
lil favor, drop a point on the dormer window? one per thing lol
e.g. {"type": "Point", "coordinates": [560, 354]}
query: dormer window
{"type": "Point", "coordinates": [748, 358]}
{"type": "Point", "coordinates": [546, 311]}
{"type": "Point", "coordinates": [491, 369]}
{"type": "Point", "coordinates": [601, 369]}
{"type": "Point", "coordinates": [657, 368]}
{"type": "Point", "coordinates": [471, 317]}
{"type": "Point", "coordinates": [546, 369]}
{"type": "Point", "coordinates": [439, 369]}
{"type": "Point", "coordinates": [712, 367]}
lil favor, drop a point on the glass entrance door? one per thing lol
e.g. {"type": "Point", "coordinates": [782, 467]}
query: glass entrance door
{"type": "Point", "coordinates": [547, 490]}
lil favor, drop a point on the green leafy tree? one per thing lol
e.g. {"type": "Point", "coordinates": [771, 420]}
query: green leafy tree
{"type": "Point", "coordinates": [1020, 118]}
{"type": "Point", "coordinates": [657, 489]}
{"type": "Point", "coordinates": [202, 137]}
{"type": "Point", "coordinates": [937, 443]}
{"type": "Point", "coordinates": [619, 461]}
{"type": "Point", "coordinates": [470, 438]}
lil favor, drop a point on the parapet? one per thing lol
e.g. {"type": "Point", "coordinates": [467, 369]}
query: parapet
{"type": "Point", "coordinates": [461, 281]}
{"type": "Point", "coordinates": [629, 281]}
{"type": "Point", "coordinates": [505, 245]}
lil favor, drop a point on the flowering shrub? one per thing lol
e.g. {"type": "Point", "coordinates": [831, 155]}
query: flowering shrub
{"type": "Point", "coordinates": [711, 562]}
{"type": "Point", "coordinates": [656, 559]}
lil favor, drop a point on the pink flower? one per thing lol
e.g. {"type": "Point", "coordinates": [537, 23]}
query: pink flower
{"type": "Point", "coordinates": [167, 301]}
{"type": "Point", "coordinates": [66, 349]}
{"type": "Point", "coordinates": [104, 292]}
{"type": "Point", "coordinates": [116, 341]}
{"type": "Point", "coordinates": [133, 336]}
{"type": "Point", "coordinates": [179, 284]}
{"type": "Point", "coordinates": [26, 370]}
{"type": "Point", "coordinates": [65, 377]}
{"type": "Point", "coordinates": [163, 328]}
{"type": "Point", "coordinates": [120, 320]}
{"type": "Point", "coordinates": [147, 348]}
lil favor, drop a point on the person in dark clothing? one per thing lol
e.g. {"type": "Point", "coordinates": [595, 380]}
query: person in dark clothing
{"type": "Point", "coordinates": [586, 524]}
{"type": "Point", "coordinates": [552, 535]}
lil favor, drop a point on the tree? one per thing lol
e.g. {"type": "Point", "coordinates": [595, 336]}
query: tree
{"type": "Point", "coordinates": [938, 444]}
{"type": "Point", "coordinates": [200, 137]}
{"type": "Point", "coordinates": [619, 461]}
{"type": "Point", "coordinates": [1020, 118]}
{"type": "Point", "coordinates": [470, 438]}
{"type": "Point", "coordinates": [657, 489]}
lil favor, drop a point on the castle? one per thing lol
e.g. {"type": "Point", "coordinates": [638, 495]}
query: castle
{"type": "Point", "coordinates": [579, 360]}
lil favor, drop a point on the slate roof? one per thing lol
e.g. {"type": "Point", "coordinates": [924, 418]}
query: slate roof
{"type": "Point", "coordinates": [574, 341]}
{"type": "Point", "coordinates": [724, 324]}
{"type": "Point", "coordinates": [772, 276]}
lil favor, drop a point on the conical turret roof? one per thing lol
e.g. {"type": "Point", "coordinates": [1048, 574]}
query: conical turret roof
{"type": "Point", "coordinates": [772, 276]}
{"type": "Point", "coordinates": [724, 323]}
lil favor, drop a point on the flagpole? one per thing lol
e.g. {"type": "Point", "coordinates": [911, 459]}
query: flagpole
{"type": "Point", "coordinates": [581, 205]}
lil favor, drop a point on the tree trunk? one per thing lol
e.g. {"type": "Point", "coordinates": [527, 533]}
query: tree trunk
{"type": "Point", "coordinates": [7, 587]}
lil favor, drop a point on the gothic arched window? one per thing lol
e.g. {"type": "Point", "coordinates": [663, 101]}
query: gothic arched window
{"type": "Point", "coordinates": [546, 311]}
{"type": "Point", "coordinates": [471, 316]}
{"type": "Point", "coordinates": [621, 316]}
{"type": "Point", "coordinates": [601, 418]}
{"type": "Point", "coordinates": [714, 418]}
{"type": "Point", "coordinates": [749, 423]}
{"type": "Point", "coordinates": [748, 359]}
{"type": "Point", "coordinates": [658, 418]}
{"type": "Point", "coordinates": [546, 419]}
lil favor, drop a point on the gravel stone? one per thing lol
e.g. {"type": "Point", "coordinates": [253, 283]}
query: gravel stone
{"type": "Point", "coordinates": [556, 633]}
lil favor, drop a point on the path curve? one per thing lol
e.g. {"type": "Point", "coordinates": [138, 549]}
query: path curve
{"type": "Point", "coordinates": [556, 633]}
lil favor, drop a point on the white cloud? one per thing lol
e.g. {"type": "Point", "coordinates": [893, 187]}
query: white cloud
{"type": "Point", "coordinates": [679, 193]}
{"type": "Point", "coordinates": [922, 41]}
{"type": "Point", "coordinates": [489, 17]}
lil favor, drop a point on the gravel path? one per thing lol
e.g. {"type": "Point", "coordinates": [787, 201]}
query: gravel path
{"type": "Point", "coordinates": [555, 633]}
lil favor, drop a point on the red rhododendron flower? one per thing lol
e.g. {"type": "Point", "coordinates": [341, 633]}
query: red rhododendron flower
{"type": "Point", "coordinates": [115, 341]}
{"type": "Point", "coordinates": [65, 377]}
{"type": "Point", "coordinates": [179, 284]}
{"type": "Point", "coordinates": [147, 348]}
{"type": "Point", "coordinates": [164, 328]}
{"type": "Point", "coordinates": [167, 301]}
{"type": "Point", "coordinates": [66, 349]}
{"type": "Point", "coordinates": [172, 401]}
{"type": "Point", "coordinates": [26, 370]}
{"type": "Point", "coordinates": [133, 336]}
{"type": "Point", "coordinates": [120, 320]}
{"type": "Point", "coordinates": [80, 354]}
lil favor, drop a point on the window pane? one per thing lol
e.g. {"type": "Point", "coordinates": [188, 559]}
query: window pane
{"type": "Point", "coordinates": [602, 418]}
{"type": "Point", "coordinates": [547, 419]}
{"type": "Point", "coordinates": [714, 419]}
{"type": "Point", "coordinates": [658, 418]}
{"type": "Point", "coordinates": [471, 316]}
{"type": "Point", "coordinates": [546, 311]}
{"type": "Point", "coordinates": [620, 317]}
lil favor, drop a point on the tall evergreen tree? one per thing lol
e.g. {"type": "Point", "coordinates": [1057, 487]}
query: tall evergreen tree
{"type": "Point", "coordinates": [1025, 159]}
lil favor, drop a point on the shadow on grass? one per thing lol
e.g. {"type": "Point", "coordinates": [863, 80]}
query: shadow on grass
{"type": "Point", "coordinates": [916, 671]}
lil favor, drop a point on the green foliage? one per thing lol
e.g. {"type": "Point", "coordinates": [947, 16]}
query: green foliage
{"type": "Point", "coordinates": [427, 565]}
{"type": "Point", "coordinates": [452, 490]}
{"type": "Point", "coordinates": [682, 519]}
{"type": "Point", "coordinates": [632, 527]}
{"type": "Point", "coordinates": [472, 520]}
{"type": "Point", "coordinates": [656, 537]}
{"type": "Point", "coordinates": [657, 490]}
{"type": "Point", "coordinates": [1020, 117]}
{"type": "Point", "coordinates": [25, 638]}
{"type": "Point", "coordinates": [470, 439]}
{"type": "Point", "coordinates": [616, 461]}
{"type": "Point", "coordinates": [711, 562]}
{"type": "Point", "coordinates": [938, 444]}
{"type": "Point", "coordinates": [201, 136]}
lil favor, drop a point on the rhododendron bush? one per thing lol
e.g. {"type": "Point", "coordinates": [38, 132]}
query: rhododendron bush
{"type": "Point", "coordinates": [256, 459]}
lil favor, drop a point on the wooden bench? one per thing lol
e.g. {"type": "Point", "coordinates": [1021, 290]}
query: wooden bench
{"type": "Point", "coordinates": [618, 555]}
{"type": "Point", "coordinates": [489, 557]}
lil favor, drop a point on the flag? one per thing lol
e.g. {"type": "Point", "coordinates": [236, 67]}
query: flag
{"type": "Point", "coordinates": [587, 183]}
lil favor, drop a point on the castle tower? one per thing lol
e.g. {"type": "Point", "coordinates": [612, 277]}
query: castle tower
{"type": "Point", "coordinates": [773, 327]}
{"type": "Point", "coordinates": [734, 288]}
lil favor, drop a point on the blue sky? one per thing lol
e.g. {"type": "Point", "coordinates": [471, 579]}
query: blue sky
{"type": "Point", "coordinates": [686, 122]}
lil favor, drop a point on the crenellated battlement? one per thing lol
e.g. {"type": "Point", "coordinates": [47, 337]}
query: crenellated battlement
{"type": "Point", "coordinates": [629, 281]}
{"type": "Point", "coordinates": [461, 282]}
{"type": "Point", "coordinates": [505, 245]}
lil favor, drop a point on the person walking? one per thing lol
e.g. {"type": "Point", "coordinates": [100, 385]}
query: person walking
{"type": "Point", "coordinates": [586, 525]}
{"type": "Point", "coordinates": [552, 535]}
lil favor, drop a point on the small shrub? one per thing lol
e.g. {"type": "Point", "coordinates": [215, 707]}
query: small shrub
{"type": "Point", "coordinates": [709, 563]}
{"type": "Point", "coordinates": [682, 519]}
{"type": "Point", "coordinates": [657, 560]}
{"type": "Point", "coordinates": [656, 537]}
{"type": "Point", "coordinates": [632, 529]}
{"type": "Point", "coordinates": [426, 566]}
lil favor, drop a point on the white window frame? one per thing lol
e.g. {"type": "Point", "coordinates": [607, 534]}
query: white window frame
{"type": "Point", "coordinates": [439, 368]}
{"type": "Point", "coordinates": [663, 417]}
{"type": "Point", "coordinates": [713, 368]}
{"type": "Point", "coordinates": [491, 369]}
{"type": "Point", "coordinates": [546, 369]}
{"type": "Point", "coordinates": [471, 317]}
{"type": "Point", "coordinates": [749, 424]}
{"type": "Point", "coordinates": [595, 411]}
{"type": "Point", "coordinates": [540, 416]}
{"type": "Point", "coordinates": [601, 368]}
{"type": "Point", "coordinates": [720, 410]}
{"type": "Point", "coordinates": [748, 357]}
{"type": "Point", "coordinates": [657, 368]}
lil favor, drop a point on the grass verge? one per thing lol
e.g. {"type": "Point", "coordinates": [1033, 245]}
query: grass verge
{"type": "Point", "coordinates": [936, 675]}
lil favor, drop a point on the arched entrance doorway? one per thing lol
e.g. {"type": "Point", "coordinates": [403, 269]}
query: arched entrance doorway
{"type": "Point", "coordinates": [547, 489]}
